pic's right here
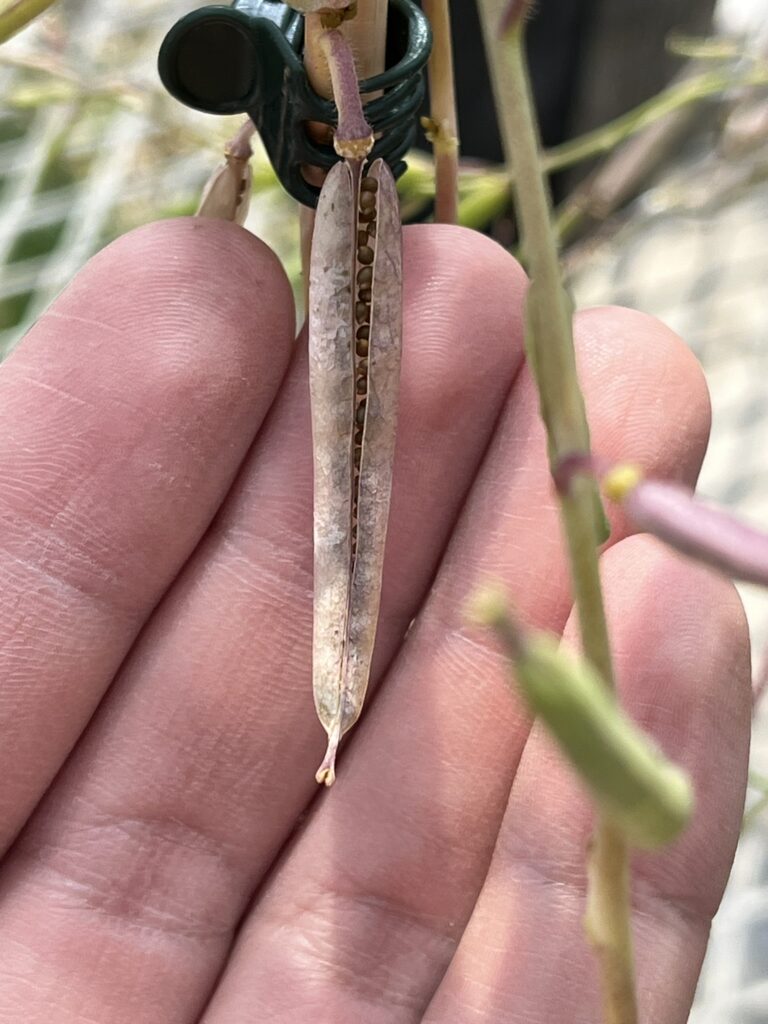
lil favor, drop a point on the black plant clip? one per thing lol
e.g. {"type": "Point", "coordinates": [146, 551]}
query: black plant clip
{"type": "Point", "coordinates": [247, 59]}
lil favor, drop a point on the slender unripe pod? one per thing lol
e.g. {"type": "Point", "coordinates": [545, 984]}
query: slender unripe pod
{"type": "Point", "coordinates": [645, 795]}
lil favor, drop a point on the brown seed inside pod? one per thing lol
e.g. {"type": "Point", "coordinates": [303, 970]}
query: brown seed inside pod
{"type": "Point", "coordinates": [360, 414]}
{"type": "Point", "coordinates": [362, 312]}
{"type": "Point", "coordinates": [367, 201]}
{"type": "Point", "coordinates": [362, 238]}
{"type": "Point", "coordinates": [365, 255]}
{"type": "Point", "coordinates": [369, 184]}
{"type": "Point", "coordinates": [361, 385]}
{"type": "Point", "coordinates": [362, 347]}
{"type": "Point", "coordinates": [366, 216]}
{"type": "Point", "coordinates": [365, 275]}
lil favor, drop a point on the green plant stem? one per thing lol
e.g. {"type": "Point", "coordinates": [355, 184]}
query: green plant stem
{"type": "Point", "coordinates": [16, 14]}
{"type": "Point", "coordinates": [442, 125]}
{"type": "Point", "coordinates": [551, 355]}
{"type": "Point", "coordinates": [608, 136]}
{"type": "Point", "coordinates": [489, 188]}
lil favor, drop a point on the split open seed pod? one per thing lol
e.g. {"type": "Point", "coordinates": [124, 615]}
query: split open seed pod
{"type": "Point", "coordinates": [355, 334]}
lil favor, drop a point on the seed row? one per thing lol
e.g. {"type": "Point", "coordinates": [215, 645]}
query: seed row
{"type": "Point", "coordinates": [365, 255]}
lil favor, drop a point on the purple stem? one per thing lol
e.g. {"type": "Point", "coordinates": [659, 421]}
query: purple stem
{"type": "Point", "coordinates": [516, 12]}
{"type": "Point", "coordinates": [353, 136]}
{"type": "Point", "coordinates": [708, 534]}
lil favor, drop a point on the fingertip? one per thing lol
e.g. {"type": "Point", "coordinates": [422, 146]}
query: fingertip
{"type": "Point", "coordinates": [463, 336]}
{"type": "Point", "coordinates": [194, 295]}
{"type": "Point", "coordinates": [465, 259]}
{"type": "Point", "coordinates": [641, 367]}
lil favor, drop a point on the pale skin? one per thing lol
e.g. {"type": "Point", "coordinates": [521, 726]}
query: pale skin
{"type": "Point", "coordinates": [159, 738]}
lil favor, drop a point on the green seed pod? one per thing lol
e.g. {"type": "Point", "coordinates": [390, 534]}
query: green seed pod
{"type": "Point", "coordinates": [646, 796]}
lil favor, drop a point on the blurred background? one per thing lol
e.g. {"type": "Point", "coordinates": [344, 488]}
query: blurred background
{"type": "Point", "coordinates": [665, 209]}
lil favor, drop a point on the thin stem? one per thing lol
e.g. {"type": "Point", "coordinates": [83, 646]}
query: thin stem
{"type": "Point", "coordinates": [353, 137]}
{"type": "Point", "coordinates": [492, 186]}
{"type": "Point", "coordinates": [682, 93]}
{"type": "Point", "coordinates": [442, 124]}
{"type": "Point", "coordinates": [551, 355]}
{"type": "Point", "coordinates": [15, 14]}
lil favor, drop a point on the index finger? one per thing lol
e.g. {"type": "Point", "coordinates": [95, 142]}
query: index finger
{"type": "Point", "coordinates": [124, 415]}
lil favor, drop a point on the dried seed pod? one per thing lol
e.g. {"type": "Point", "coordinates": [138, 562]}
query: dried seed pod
{"type": "Point", "coordinates": [351, 511]}
{"type": "Point", "coordinates": [227, 193]}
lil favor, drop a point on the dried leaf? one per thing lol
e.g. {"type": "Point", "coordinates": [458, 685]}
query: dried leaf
{"type": "Point", "coordinates": [355, 342]}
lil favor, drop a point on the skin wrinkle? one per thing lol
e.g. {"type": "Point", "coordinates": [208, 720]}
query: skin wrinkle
{"type": "Point", "coordinates": [152, 897]}
{"type": "Point", "coordinates": [85, 321]}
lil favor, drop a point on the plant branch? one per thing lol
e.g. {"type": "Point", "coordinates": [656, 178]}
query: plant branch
{"type": "Point", "coordinates": [16, 14]}
{"type": "Point", "coordinates": [442, 124]}
{"type": "Point", "coordinates": [550, 350]}
{"type": "Point", "coordinates": [680, 94]}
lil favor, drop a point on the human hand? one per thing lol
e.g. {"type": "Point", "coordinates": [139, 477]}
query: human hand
{"type": "Point", "coordinates": [155, 488]}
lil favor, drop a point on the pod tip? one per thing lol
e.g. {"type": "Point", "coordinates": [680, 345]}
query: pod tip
{"type": "Point", "coordinates": [326, 773]}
